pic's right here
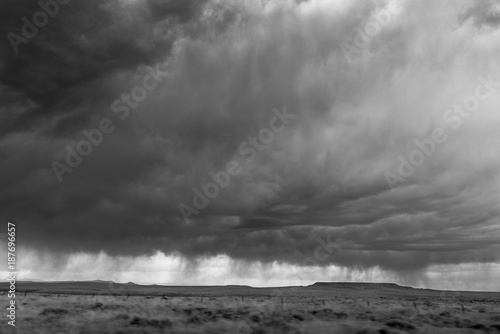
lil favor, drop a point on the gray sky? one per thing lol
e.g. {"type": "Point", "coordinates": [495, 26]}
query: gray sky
{"type": "Point", "coordinates": [371, 124]}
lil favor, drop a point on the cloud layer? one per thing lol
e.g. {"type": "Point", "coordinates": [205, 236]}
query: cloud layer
{"type": "Point", "coordinates": [228, 65]}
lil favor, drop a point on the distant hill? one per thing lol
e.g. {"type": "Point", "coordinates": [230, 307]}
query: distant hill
{"type": "Point", "coordinates": [356, 285]}
{"type": "Point", "coordinates": [316, 290]}
{"type": "Point", "coordinates": [101, 281]}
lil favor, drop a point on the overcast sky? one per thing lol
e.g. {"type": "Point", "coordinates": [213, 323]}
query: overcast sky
{"type": "Point", "coordinates": [368, 127]}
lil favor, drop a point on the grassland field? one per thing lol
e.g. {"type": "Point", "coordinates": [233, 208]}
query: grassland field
{"type": "Point", "coordinates": [107, 307]}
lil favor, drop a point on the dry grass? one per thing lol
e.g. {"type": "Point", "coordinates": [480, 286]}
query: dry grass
{"type": "Point", "coordinates": [40, 313]}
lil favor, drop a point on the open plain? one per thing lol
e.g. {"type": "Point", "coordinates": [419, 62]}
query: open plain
{"type": "Point", "coordinates": [107, 307]}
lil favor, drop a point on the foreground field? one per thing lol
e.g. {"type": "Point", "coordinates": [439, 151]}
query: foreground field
{"type": "Point", "coordinates": [322, 308]}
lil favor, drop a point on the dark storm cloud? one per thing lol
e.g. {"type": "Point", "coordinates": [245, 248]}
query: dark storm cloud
{"type": "Point", "coordinates": [63, 65]}
{"type": "Point", "coordinates": [229, 64]}
{"type": "Point", "coordinates": [483, 13]}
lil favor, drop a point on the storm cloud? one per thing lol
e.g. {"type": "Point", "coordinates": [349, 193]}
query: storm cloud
{"type": "Point", "coordinates": [229, 65]}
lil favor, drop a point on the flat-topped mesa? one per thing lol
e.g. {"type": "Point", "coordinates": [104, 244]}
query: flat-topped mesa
{"type": "Point", "coordinates": [356, 285]}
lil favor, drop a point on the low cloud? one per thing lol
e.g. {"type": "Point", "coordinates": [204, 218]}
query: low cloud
{"type": "Point", "coordinates": [229, 65]}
